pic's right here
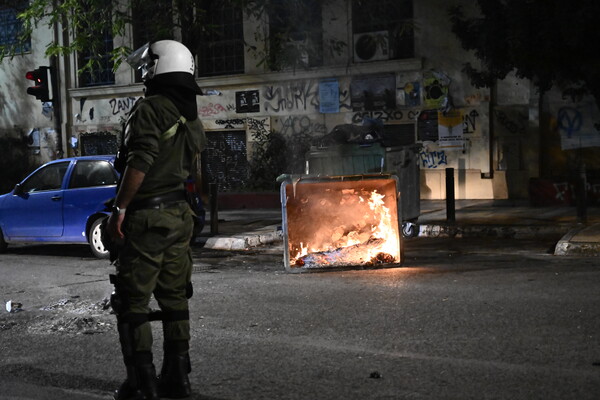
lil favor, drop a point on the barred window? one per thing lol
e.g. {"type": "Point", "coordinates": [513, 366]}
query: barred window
{"type": "Point", "coordinates": [295, 34]}
{"type": "Point", "coordinates": [221, 49]}
{"type": "Point", "coordinates": [11, 27]}
{"type": "Point", "coordinates": [211, 29]}
{"type": "Point", "coordinates": [151, 21]}
{"type": "Point", "coordinates": [101, 71]}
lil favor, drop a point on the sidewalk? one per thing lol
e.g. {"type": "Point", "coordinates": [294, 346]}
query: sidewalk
{"type": "Point", "coordinates": [247, 228]}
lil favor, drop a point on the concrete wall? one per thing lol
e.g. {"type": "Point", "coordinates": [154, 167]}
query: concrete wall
{"type": "Point", "coordinates": [21, 115]}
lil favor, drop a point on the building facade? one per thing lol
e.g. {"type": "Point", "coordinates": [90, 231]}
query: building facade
{"type": "Point", "coordinates": [410, 83]}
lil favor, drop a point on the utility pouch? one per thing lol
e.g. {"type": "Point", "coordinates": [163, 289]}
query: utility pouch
{"type": "Point", "coordinates": [121, 158]}
{"type": "Point", "coordinates": [108, 243]}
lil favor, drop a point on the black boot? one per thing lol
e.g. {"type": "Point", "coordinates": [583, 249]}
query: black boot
{"type": "Point", "coordinates": [129, 388]}
{"type": "Point", "coordinates": [141, 381]}
{"type": "Point", "coordinates": [173, 382]}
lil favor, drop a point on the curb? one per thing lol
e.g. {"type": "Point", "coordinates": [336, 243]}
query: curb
{"type": "Point", "coordinates": [567, 247]}
{"type": "Point", "coordinates": [243, 241]}
{"type": "Point", "coordinates": [500, 231]}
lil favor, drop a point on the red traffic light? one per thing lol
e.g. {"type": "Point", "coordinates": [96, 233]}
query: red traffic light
{"type": "Point", "coordinates": [43, 86]}
{"type": "Point", "coordinates": [31, 75]}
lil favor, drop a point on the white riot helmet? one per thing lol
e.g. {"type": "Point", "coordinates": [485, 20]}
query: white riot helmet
{"type": "Point", "coordinates": [162, 57]}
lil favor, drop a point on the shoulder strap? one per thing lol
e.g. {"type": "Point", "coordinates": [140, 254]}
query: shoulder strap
{"type": "Point", "coordinates": [173, 130]}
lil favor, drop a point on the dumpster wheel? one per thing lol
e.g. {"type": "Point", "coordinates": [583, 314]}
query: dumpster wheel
{"type": "Point", "coordinates": [410, 229]}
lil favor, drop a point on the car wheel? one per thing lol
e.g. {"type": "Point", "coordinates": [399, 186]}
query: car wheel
{"type": "Point", "coordinates": [3, 244]}
{"type": "Point", "coordinates": [95, 236]}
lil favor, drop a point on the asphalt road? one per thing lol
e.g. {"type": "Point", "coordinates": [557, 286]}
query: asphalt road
{"type": "Point", "coordinates": [461, 319]}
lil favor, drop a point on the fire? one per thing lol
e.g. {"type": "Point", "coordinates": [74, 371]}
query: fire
{"type": "Point", "coordinates": [343, 226]}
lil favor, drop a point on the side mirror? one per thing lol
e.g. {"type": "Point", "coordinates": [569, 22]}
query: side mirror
{"type": "Point", "coordinates": [18, 191]}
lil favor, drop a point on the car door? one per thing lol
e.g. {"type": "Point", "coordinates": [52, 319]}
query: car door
{"type": "Point", "coordinates": [35, 210]}
{"type": "Point", "coordinates": [91, 184]}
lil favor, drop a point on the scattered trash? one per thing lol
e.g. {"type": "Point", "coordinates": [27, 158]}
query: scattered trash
{"type": "Point", "coordinates": [60, 303]}
{"type": "Point", "coordinates": [5, 327]}
{"type": "Point", "coordinates": [105, 304]}
{"type": "Point", "coordinates": [84, 325]}
{"type": "Point", "coordinates": [375, 375]}
{"type": "Point", "coordinates": [13, 307]}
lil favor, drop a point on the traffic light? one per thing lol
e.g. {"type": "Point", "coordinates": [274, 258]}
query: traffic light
{"type": "Point", "coordinates": [43, 83]}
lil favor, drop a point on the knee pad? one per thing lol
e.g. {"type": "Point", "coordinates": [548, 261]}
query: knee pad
{"type": "Point", "coordinates": [119, 300]}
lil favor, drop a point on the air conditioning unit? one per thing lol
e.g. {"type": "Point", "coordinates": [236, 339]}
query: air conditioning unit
{"type": "Point", "coordinates": [371, 46]}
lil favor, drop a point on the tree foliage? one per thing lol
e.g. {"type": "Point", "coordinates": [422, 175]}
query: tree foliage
{"type": "Point", "coordinates": [85, 23]}
{"type": "Point", "coordinates": [291, 30]}
{"type": "Point", "coordinates": [549, 42]}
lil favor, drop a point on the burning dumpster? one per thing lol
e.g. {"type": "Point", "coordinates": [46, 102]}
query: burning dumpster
{"type": "Point", "coordinates": [340, 221]}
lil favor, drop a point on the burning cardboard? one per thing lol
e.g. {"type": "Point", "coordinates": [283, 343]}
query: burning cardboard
{"type": "Point", "coordinates": [344, 221]}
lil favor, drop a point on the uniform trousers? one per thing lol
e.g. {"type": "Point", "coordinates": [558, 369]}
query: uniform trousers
{"type": "Point", "coordinates": [156, 260]}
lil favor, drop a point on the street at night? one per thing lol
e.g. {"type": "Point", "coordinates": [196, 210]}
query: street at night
{"type": "Point", "coordinates": [461, 318]}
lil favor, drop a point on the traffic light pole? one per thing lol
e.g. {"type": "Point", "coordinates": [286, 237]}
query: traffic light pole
{"type": "Point", "coordinates": [56, 105]}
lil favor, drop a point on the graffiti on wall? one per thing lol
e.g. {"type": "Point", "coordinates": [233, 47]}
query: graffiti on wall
{"type": "Point", "coordinates": [577, 125]}
{"type": "Point", "coordinates": [256, 125]}
{"type": "Point", "coordinates": [433, 159]}
{"type": "Point", "coordinates": [211, 110]}
{"type": "Point", "coordinates": [513, 121]}
{"type": "Point", "coordinates": [385, 115]}
{"type": "Point", "coordinates": [227, 124]}
{"type": "Point", "coordinates": [121, 105]}
{"type": "Point", "coordinates": [298, 95]}
{"type": "Point", "coordinates": [470, 122]}
{"type": "Point", "coordinates": [301, 124]}
{"type": "Point", "coordinates": [302, 95]}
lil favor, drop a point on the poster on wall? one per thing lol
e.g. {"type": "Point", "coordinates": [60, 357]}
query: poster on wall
{"type": "Point", "coordinates": [435, 89]}
{"type": "Point", "coordinates": [373, 92]}
{"type": "Point", "coordinates": [329, 96]}
{"type": "Point", "coordinates": [409, 95]}
{"type": "Point", "coordinates": [247, 101]}
{"type": "Point", "coordinates": [577, 127]}
{"type": "Point", "coordinates": [450, 130]}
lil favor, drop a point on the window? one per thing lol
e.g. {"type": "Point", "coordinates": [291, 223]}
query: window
{"type": "Point", "coordinates": [382, 32]}
{"type": "Point", "coordinates": [221, 49]}
{"type": "Point", "coordinates": [152, 21]}
{"type": "Point", "coordinates": [92, 173]}
{"type": "Point", "coordinates": [224, 160]}
{"type": "Point", "coordinates": [48, 178]}
{"type": "Point", "coordinates": [100, 65]}
{"type": "Point", "coordinates": [11, 27]}
{"type": "Point", "coordinates": [295, 34]}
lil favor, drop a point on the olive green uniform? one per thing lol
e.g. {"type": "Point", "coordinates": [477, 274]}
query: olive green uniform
{"type": "Point", "coordinates": [156, 257]}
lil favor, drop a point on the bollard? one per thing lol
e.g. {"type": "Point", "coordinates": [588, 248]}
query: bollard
{"type": "Point", "coordinates": [581, 195]}
{"type": "Point", "coordinates": [214, 213]}
{"type": "Point", "coordinates": [450, 201]}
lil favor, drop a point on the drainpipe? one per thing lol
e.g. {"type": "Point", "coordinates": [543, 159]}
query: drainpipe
{"type": "Point", "coordinates": [490, 174]}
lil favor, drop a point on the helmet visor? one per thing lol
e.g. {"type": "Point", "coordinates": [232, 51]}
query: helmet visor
{"type": "Point", "coordinates": [141, 59]}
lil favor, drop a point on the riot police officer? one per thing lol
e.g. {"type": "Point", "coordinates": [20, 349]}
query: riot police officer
{"type": "Point", "coordinates": [153, 222]}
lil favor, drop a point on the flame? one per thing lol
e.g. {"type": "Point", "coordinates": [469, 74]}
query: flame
{"type": "Point", "coordinates": [367, 235]}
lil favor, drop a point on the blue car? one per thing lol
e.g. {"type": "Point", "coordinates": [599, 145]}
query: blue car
{"type": "Point", "coordinates": [60, 202]}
